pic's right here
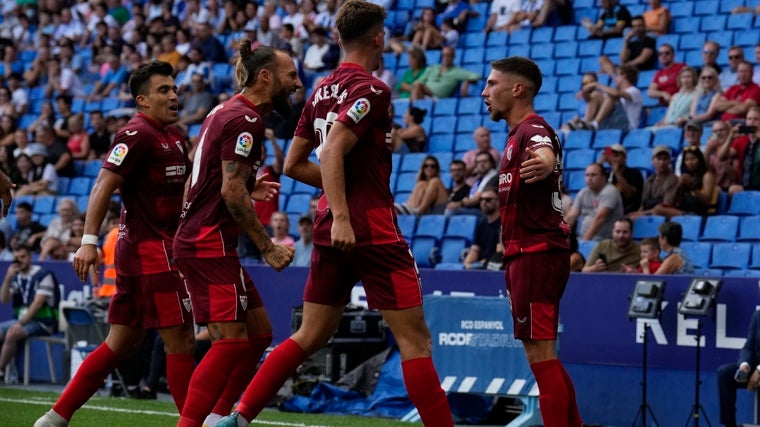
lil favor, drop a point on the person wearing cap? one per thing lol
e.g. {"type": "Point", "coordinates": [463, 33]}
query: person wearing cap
{"type": "Point", "coordinates": [596, 207]}
{"type": "Point", "coordinates": [741, 146]}
{"type": "Point", "coordinates": [680, 104]}
{"type": "Point", "coordinates": [305, 244]}
{"type": "Point", "coordinates": [660, 187]}
{"type": "Point", "coordinates": [692, 135]}
{"type": "Point", "coordinates": [628, 181]}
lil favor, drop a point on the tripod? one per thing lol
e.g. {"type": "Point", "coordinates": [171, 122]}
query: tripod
{"type": "Point", "coordinates": [644, 407]}
{"type": "Point", "coordinates": [696, 408]}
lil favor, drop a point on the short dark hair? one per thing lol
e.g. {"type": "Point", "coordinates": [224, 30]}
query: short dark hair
{"type": "Point", "coordinates": [672, 232]}
{"type": "Point", "coordinates": [630, 72]}
{"type": "Point", "coordinates": [487, 153]}
{"type": "Point", "coordinates": [458, 162]}
{"type": "Point", "coordinates": [418, 114]}
{"type": "Point", "coordinates": [626, 220]}
{"type": "Point", "coordinates": [523, 67]}
{"type": "Point", "coordinates": [25, 206]}
{"type": "Point", "coordinates": [139, 80]}
{"type": "Point", "coordinates": [359, 19]}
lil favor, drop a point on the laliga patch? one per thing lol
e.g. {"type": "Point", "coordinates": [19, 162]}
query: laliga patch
{"type": "Point", "coordinates": [244, 144]}
{"type": "Point", "coordinates": [118, 154]}
{"type": "Point", "coordinates": [359, 109]}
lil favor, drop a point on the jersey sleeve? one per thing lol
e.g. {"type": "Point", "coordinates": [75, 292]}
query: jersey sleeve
{"type": "Point", "coordinates": [128, 152]}
{"type": "Point", "coordinates": [537, 136]}
{"type": "Point", "coordinates": [242, 139]}
{"type": "Point", "coordinates": [305, 127]}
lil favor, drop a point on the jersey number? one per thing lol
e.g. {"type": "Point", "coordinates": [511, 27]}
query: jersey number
{"type": "Point", "coordinates": [321, 128]}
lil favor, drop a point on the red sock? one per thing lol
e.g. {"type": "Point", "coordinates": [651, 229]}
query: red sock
{"type": "Point", "coordinates": [574, 414]}
{"type": "Point", "coordinates": [88, 379]}
{"type": "Point", "coordinates": [273, 373]}
{"type": "Point", "coordinates": [242, 374]}
{"type": "Point", "coordinates": [209, 379]}
{"type": "Point", "coordinates": [179, 370]}
{"type": "Point", "coordinates": [553, 398]}
{"type": "Point", "coordinates": [424, 388]}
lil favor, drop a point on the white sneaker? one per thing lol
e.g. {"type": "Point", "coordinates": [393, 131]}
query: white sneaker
{"type": "Point", "coordinates": [51, 419]}
{"type": "Point", "coordinates": [211, 420]}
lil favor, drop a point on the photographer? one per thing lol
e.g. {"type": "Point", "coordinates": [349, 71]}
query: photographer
{"type": "Point", "coordinates": [34, 294]}
{"type": "Point", "coordinates": [741, 144]}
{"type": "Point", "coordinates": [745, 373]}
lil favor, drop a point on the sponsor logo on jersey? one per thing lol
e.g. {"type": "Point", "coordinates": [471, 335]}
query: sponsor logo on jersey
{"type": "Point", "coordinates": [360, 109]}
{"type": "Point", "coordinates": [249, 119]}
{"type": "Point", "coordinates": [375, 91]}
{"type": "Point", "coordinates": [165, 146]}
{"type": "Point", "coordinates": [118, 154]}
{"type": "Point", "coordinates": [130, 132]}
{"type": "Point", "coordinates": [244, 144]}
{"type": "Point", "coordinates": [540, 139]}
{"type": "Point", "coordinates": [176, 170]}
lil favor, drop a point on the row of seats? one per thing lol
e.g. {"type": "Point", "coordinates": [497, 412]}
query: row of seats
{"type": "Point", "coordinates": [716, 228]}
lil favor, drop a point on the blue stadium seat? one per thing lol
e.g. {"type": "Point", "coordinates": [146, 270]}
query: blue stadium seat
{"type": "Point", "coordinates": [613, 46]}
{"type": "Point", "coordinates": [79, 186]}
{"type": "Point", "coordinates": [293, 225]}
{"type": "Point", "coordinates": [542, 35]}
{"type": "Point", "coordinates": [431, 226]}
{"type": "Point", "coordinates": [708, 272]}
{"type": "Point", "coordinates": [449, 266]}
{"type": "Point", "coordinates": [422, 4]}
{"type": "Point", "coordinates": [698, 252]}
{"type": "Point", "coordinates": [466, 125]}
{"type": "Point", "coordinates": [396, 161]}
{"type": "Point", "coordinates": [92, 168]}
{"type": "Point", "coordinates": [47, 218]}
{"type": "Point", "coordinates": [441, 142]}
{"type": "Point", "coordinates": [655, 115]}
{"type": "Point", "coordinates": [637, 138]}
{"type": "Point", "coordinates": [606, 137]}
{"type": "Point", "coordinates": [585, 247]}
{"type": "Point", "coordinates": [445, 107]}
{"type": "Point", "coordinates": [494, 53]}
{"type": "Point", "coordinates": [406, 223]}
{"type": "Point", "coordinates": [422, 248]}
{"type": "Point", "coordinates": [565, 33]}
{"type": "Point", "coordinates": [496, 39]}
{"type": "Point", "coordinates": [641, 159]}
{"type": "Point", "coordinates": [476, 23]}
{"type": "Point", "coordinates": [712, 23]}
{"type": "Point", "coordinates": [590, 48]}
{"type": "Point", "coordinates": [749, 229]}
{"type": "Point", "coordinates": [304, 188]}
{"type": "Point", "coordinates": [521, 36]}
{"type": "Point", "coordinates": [745, 203]}
{"type": "Point", "coordinates": [727, 6]}
{"type": "Point", "coordinates": [298, 203]}
{"type": "Point", "coordinates": [444, 124]}
{"type": "Point", "coordinates": [706, 7]}
{"type": "Point", "coordinates": [681, 8]}
{"type": "Point", "coordinates": [411, 162]}
{"type": "Point", "coordinates": [720, 228]}
{"type": "Point", "coordinates": [691, 225]}
{"type": "Point", "coordinates": [569, 84]}
{"type": "Point", "coordinates": [549, 84]}
{"type": "Point", "coordinates": [405, 4]}
{"type": "Point", "coordinates": [671, 39]}
{"type": "Point", "coordinates": [670, 137]}
{"type": "Point", "coordinates": [731, 256]}
{"type": "Point", "coordinates": [109, 104]}
{"type": "Point", "coordinates": [546, 66]}
{"type": "Point", "coordinates": [451, 249]}
{"type": "Point", "coordinates": [44, 205]}
{"type": "Point", "coordinates": [567, 66]}
{"type": "Point", "coordinates": [753, 274]}
{"type": "Point", "coordinates": [400, 106]}
{"type": "Point", "coordinates": [545, 102]}
{"type": "Point", "coordinates": [405, 182]}
{"type": "Point", "coordinates": [286, 184]}
{"type": "Point", "coordinates": [746, 38]}
{"type": "Point", "coordinates": [567, 102]}
{"type": "Point", "coordinates": [474, 39]}
{"type": "Point", "coordinates": [444, 158]}
{"type": "Point", "coordinates": [686, 24]}
{"type": "Point", "coordinates": [754, 261]}
{"type": "Point", "coordinates": [469, 105]}
{"type": "Point", "coordinates": [579, 139]}
{"type": "Point", "coordinates": [464, 142]}
{"type": "Point", "coordinates": [401, 196]}
{"type": "Point", "coordinates": [63, 185]}
{"type": "Point", "coordinates": [578, 159]}
{"type": "Point", "coordinates": [554, 119]}
{"type": "Point", "coordinates": [647, 226]}
{"type": "Point", "coordinates": [461, 226]}
{"type": "Point", "coordinates": [575, 180]}
{"type": "Point", "coordinates": [541, 51]}
{"type": "Point", "coordinates": [722, 208]}
{"type": "Point", "coordinates": [473, 55]}
{"type": "Point", "coordinates": [519, 50]}
{"type": "Point", "coordinates": [693, 41]}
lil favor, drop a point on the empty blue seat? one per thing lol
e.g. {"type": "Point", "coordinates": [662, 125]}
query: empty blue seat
{"type": "Point", "coordinates": [304, 188]}
{"type": "Point", "coordinates": [686, 24]}
{"type": "Point", "coordinates": [585, 247]}
{"type": "Point", "coordinates": [441, 142]}
{"type": "Point", "coordinates": [692, 41]}
{"type": "Point", "coordinates": [647, 226]}
{"type": "Point", "coordinates": [575, 180]}
{"type": "Point", "coordinates": [568, 102]}
{"type": "Point", "coordinates": [713, 23]}
{"type": "Point", "coordinates": [754, 261]}
{"type": "Point", "coordinates": [565, 33]}
{"type": "Point", "coordinates": [569, 84]}
{"type": "Point", "coordinates": [754, 274]}
{"type": "Point", "coordinates": [637, 138]}
{"type": "Point", "coordinates": [469, 105]}
{"type": "Point", "coordinates": [298, 203]}
{"type": "Point", "coordinates": [451, 266]}
{"type": "Point", "coordinates": [477, 39]}
{"type": "Point", "coordinates": [606, 137]}
{"type": "Point", "coordinates": [44, 205]}
{"type": "Point", "coordinates": [745, 203]}
{"type": "Point", "coordinates": [473, 55]}
{"type": "Point", "coordinates": [578, 159]}
{"type": "Point", "coordinates": [579, 139]}
{"type": "Point", "coordinates": [496, 39]}
{"type": "Point", "coordinates": [462, 226]}
{"type": "Point", "coordinates": [422, 248]}
{"type": "Point", "coordinates": [431, 226]}
{"type": "Point", "coordinates": [47, 218]}
{"type": "Point", "coordinates": [405, 182]}
{"type": "Point", "coordinates": [708, 272]}
{"type": "Point", "coordinates": [567, 66]}
{"type": "Point", "coordinates": [747, 38]}
{"type": "Point", "coordinates": [445, 107]}
{"type": "Point", "coordinates": [411, 162]}
{"type": "Point", "coordinates": [451, 249]}
{"type": "Point", "coordinates": [681, 8]}
{"type": "Point", "coordinates": [730, 255]}
{"type": "Point", "coordinates": [691, 226]}
{"type": "Point", "coordinates": [79, 186]}
{"type": "Point", "coordinates": [720, 228]}
{"type": "Point", "coordinates": [92, 168]}
{"type": "Point", "coordinates": [545, 102]}
{"type": "Point", "coordinates": [590, 47]}
{"type": "Point", "coordinates": [749, 229]}
{"type": "Point", "coordinates": [640, 158]}
{"type": "Point", "coordinates": [542, 35]}
{"type": "Point", "coordinates": [670, 137]}
{"type": "Point", "coordinates": [698, 252]}
{"type": "Point", "coordinates": [541, 51]}
{"type": "Point", "coordinates": [407, 223]}
{"type": "Point", "coordinates": [63, 185]}
{"type": "Point", "coordinates": [466, 125]}
{"type": "Point", "coordinates": [521, 36]}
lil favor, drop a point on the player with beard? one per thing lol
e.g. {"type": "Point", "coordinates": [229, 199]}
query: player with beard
{"type": "Point", "coordinates": [534, 234]}
{"type": "Point", "coordinates": [148, 163]}
{"type": "Point", "coordinates": [356, 236]}
{"type": "Point", "coordinates": [217, 208]}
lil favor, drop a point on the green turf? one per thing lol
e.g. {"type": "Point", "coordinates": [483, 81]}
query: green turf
{"type": "Point", "coordinates": [20, 408]}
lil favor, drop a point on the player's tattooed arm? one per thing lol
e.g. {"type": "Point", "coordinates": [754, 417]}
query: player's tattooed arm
{"type": "Point", "coordinates": [238, 201]}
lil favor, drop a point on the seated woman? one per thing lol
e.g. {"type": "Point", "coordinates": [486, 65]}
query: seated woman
{"type": "Point", "coordinates": [680, 104]}
{"type": "Point", "coordinates": [41, 177]}
{"type": "Point", "coordinates": [417, 66]}
{"type": "Point", "coordinates": [59, 231]}
{"type": "Point", "coordinates": [429, 195]}
{"type": "Point", "coordinates": [708, 92]}
{"type": "Point", "coordinates": [79, 141]}
{"type": "Point", "coordinates": [413, 134]}
{"type": "Point", "coordinates": [676, 261]}
{"type": "Point", "coordinates": [697, 193]}
{"type": "Point", "coordinates": [726, 171]}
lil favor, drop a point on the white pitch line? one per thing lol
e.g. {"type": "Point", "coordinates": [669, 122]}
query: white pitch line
{"type": "Point", "coordinates": [137, 411]}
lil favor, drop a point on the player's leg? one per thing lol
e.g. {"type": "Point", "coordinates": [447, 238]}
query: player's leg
{"type": "Point", "coordinates": [179, 345]}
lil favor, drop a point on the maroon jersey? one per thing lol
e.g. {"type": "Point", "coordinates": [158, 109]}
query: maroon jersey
{"type": "Point", "coordinates": [531, 217]}
{"type": "Point", "coordinates": [360, 101]}
{"type": "Point", "coordinates": [153, 162]}
{"type": "Point", "coordinates": [232, 131]}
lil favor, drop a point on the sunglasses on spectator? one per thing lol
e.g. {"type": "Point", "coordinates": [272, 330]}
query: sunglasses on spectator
{"type": "Point", "coordinates": [707, 77]}
{"type": "Point", "coordinates": [708, 52]}
{"type": "Point", "coordinates": [734, 56]}
{"type": "Point", "coordinates": [665, 52]}
{"type": "Point", "coordinates": [429, 165]}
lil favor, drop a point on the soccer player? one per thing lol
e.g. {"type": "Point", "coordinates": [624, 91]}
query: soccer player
{"type": "Point", "coordinates": [534, 234]}
{"type": "Point", "coordinates": [356, 236]}
{"type": "Point", "coordinates": [217, 207]}
{"type": "Point", "coordinates": [148, 162]}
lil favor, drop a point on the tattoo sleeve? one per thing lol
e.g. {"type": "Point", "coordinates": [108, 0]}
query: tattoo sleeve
{"type": "Point", "coordinates": [238, 201]}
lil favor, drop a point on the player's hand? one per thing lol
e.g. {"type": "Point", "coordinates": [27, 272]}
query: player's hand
{"type": "Point", "coordinates": [343, 236]}
{"type": "Point", "coordinates": [86, 257]}
{"type": "Point", "coordinates": [5, 192]}
{"type": "Point", "coordinates": [279, 256]}
{"type": "Point", "coordinates": [264, 191]}
{"type": "Point", "coordinates": [536, 168]}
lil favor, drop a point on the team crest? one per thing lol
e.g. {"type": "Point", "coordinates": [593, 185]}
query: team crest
{"type": "Point", "coordinates": [187, 304]}
{"type": "Point", "coordinates": [244, 302]}
{"type": "Point", "coordinates": [118, 154]}
{"type": "Point", "coordinates": [360, 109]}
{"type": "Point", "coordinates": [244, 144]}
{"type": "Point", "coordinates": [509, 153]}
{"type": "Point", "coordinates": [179, 145]}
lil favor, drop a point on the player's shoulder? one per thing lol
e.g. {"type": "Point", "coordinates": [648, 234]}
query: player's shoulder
{"type": "Point", "coordinates": [534, 125]}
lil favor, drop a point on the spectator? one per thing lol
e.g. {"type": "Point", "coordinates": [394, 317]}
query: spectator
{"type": "Point", "coordinates": [692, 138]}
{"type": "Point", "coordinates": [429, 196]}
{"type": "Point", "coordinates": [650, 256]}
{"type": "Point", "coordinates": [482, 138]}
{"type": "Point", "coordinates": [660, 187]}
{"type": "Point", "coordinates": [741, 145]}
{"type": "Point", "coordinates": [729, 76]}
{"type": "Point", "coordinates": [613, 19]}
{"type": "Point", "coordinates": [657, 18]}
{"type": "Point", "coordinates": [69, 26]}
{"type": "Point", "coordinates": [169, 51]}
{"type": "Point", "coordinates": [621, 105]}
{"type": "Point", "coordinates": [28, 232]}
{"type": "Point", "coordinates": [210, 47]}
{"type": "Point", "coordinates": [100, 138]}
{"type": "Point", "coordinates": [413, 134]}
{"type": "Point", "coordinates": [440, 81]}
{"type": "Point", "coordinates": [527, 16]}
{"type": "Point", "coordinates": [638, 49]}
{"type": "Point", "coordinates": [196, 102]}
{"type": "Point", "coordinates": [487, 175]}
{"type": "Point", "coordinates": [58, 152]}
{"type": "Point", "coordinates": [696, 193]}
{"type": "Point", "coordinates": [556, 12]}
{"type": "Point", "coordinates": [59, 230]}
{"type": "Point", "coordinates": [315, 58]}
{"type": "Point", "coordinates": [111, 80]}
{"type": "Point", "coordinates": [449, 33]}
{"type": "Point", "coordinates": [61, 124]}
{"type": "Point", "coordinates": [417, 67]}
{"type": "Point", "coordinates": [756, 70]}
{"type": "Point", "coordinates": [265, 34]}
{"type": "Point", "coordinates": [459, 11]}
{"type": "Point", "coordinates": [305, 244]}
{"type": "Point", "coordinates": [21, 142]}
{"type": "Point", "coordinates": [386, 76]}
{"type": "Point", "coordinates": [665, 82]}
{"type": "Point", "coordinates": [725, 171]}
{"type": "Point", "coordinates": [741, 374]}
{"type": "Point", "coordinates": [62, 81]}
{"type": "Point", "coordinates": [280, 225]}
{"type": "Point", "coordinates": [596, 207]}
{"type": "Point", "coordinates": [326, 18]}
{"type": "Point", "coordinates": [710, 52]}
{"type": "Point", "coordinates": [34, 295]}
{"type": "Point", "coordinates": [19, 94]}
{"type": "Point", "coordinates": [586, 96]}
{"type": "Point", "coordinates": [79, 141]}
{"type": "Point", "coordinates": [676, 261]}
{"type": "Point", "coordinates": [41, 178]}
{"type": "Point", "coordinates": [8, 164]}
{"type": "Point", "coordinates": [487, 233]}
{"type": "Point", "coordinates": [45, 118]}
{"type": "Point", "coordinates": [615, 254]}
{"type": "Point", "coordinates": [502, 15]}
{"type": "Point", "coordinates": [459, 187]}
{"type": "Point", "coordinates": [628, 181]}
{"type": "Point", "coordinates": [37, 74]}
{"type": "Point", "coordinates": [265, 209]}
{"type": "Point", "coordinates": [7, 130]}
{"type": "Point", "coordinates": [737, 99]}
{"type": "Point", "coordinates": [198, 65]}
{"type": "Point", "coordinates": [427, 34]}
{"type": "Point", "coordinates": [708, 92]}
{"type": "Point", "coordinates": [679, 109]}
